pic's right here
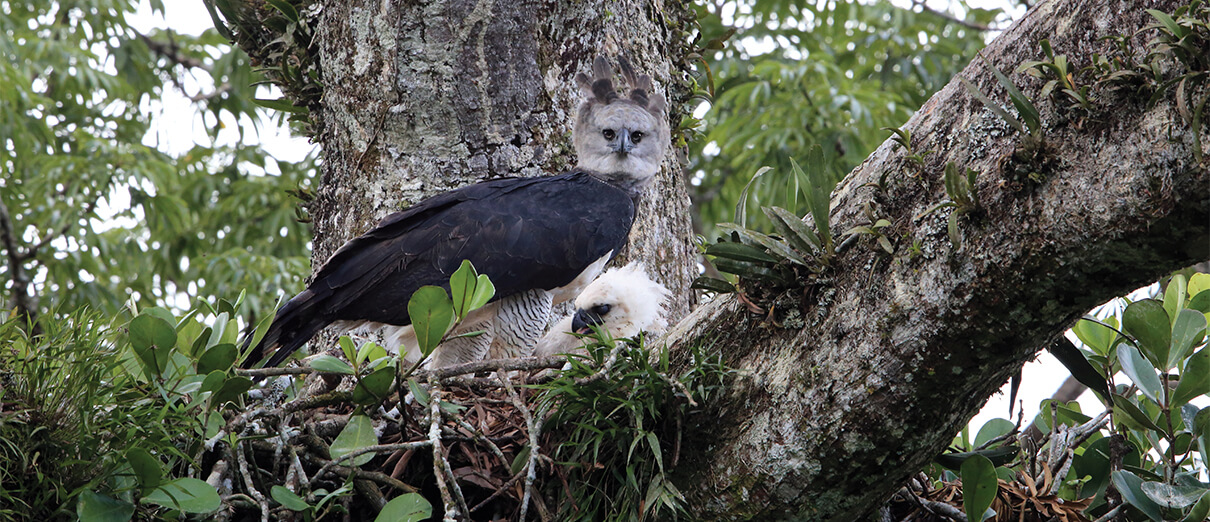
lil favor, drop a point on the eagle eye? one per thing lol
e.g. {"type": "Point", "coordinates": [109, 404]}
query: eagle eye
{"type": "Point", "coordinates": [636, 137]}
{"type": "Point", "coordinates": [601, 309]}
{"type": "Point", "coordinates": [608, 134]}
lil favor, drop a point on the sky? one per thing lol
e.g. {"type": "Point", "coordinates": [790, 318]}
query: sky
{"type": "Point", "coordinates": [1041, 377]}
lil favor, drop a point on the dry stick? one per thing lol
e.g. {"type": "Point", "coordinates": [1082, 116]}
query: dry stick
{"type": "Point", "coordinates": [1111, 514]}
{"type": "Point", "coordinates": [1077, 436]}
{"type": "Point", "coordinates": [531, 465]}
{"type": "Point", "coordinates": [379, 448]}
{"type": "Point", "coordinates": [479, 437]}
{"type": "Point", "coordinates": [499, 491]}
{"type": "Point", "coordinates": [358, 473]}
{"type": "Point", "coordinates": [243, 470]}
{"type": "Point", "coordinates": [441, 466]}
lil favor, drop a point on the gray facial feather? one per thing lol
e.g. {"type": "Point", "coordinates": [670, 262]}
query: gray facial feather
{"type": "Point", "coordinates": [621, 140]}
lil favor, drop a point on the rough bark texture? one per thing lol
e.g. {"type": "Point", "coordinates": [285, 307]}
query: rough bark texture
{"type": "Point", "coordinates": [870, 378]}
{"type": "Point", "coordinates": [864, 378]}
{"type": "Point", "coordinates": [423, 97]}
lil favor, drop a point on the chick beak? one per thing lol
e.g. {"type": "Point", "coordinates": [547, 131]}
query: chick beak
{"type": "Point", "coordinates": [623, 144]}
{"type": "Point", "coordinates": [583, 321]}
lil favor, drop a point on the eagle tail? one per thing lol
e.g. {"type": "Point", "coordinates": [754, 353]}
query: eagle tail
{"type": "Point", "coordinates": [294, 324]}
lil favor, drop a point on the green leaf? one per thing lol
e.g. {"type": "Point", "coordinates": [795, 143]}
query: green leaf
{"type": "Point", "coordinates": [92, 507]}
{"type": "Point", "coordinates": [370, 351]}
{"type": "Point", "coordinates": [1200, 301]}
{"type": "Point", "coordinates": [469, 289]}
{"type": "Point", "coordinates": [231, 390]}
{"type": "Point", "coordinates": [146, 468]}
{"type": "Point", "coordinates": [998, 456]}
{"type": "Point", "coordinates": [794, 229]}
{"type": "Point", "coordinates": [993, 106]}
{"type": "Point", "coordinates": [288, 499]}
{"type": "Point", "coordinates": [418, 391]}
{"type": "Point", "coordinates": [1147, 321]}
{"type": "Point", "coordinates": [186, 494]}
{"type": "Point", "coordinates": [741, 208]}
{"type": "Point", "coordinates": [213, 381]}
{"type": "Point", "coordinates": [1133, 413]}
{"type": "Point", "coordinates": [1195, 380]}
{"type": "Point", "coordinates": [409, 507]}
{"type": "Point", "coordinates": [1025, 107]}
{"type": "Point", "coordinates": [1174, 295]}
{"type": "Point", "coordinates": [347, 347]}
{"type": "Point", "coordinates": [818, 191]}
{"type": "Point", "coordinates": [712, 284]}
{"type": "Point", "coordinates": [358, 434]}
{"type": "Point", "coordinates": [992, 429]}
{"type": "Point", "coordinates": [771, 245]}
{"type": "Point", "coordinates": [1141, 372]}
{"type": "Point", "coordinates": [1188, 332]}
{"type": "Point", "coordinates": [979, 486]}
{"type": "Point", "coordinates": [282, 104]}
{"type": "Point", "coordinates": [1199, 511]}
{"type": "Point", "coordinates": [329, 364]}
{"type": "Point", "coordinates": [152, 338]}
{"type": "Point", "coordinates": [373, 388]}
{"type": "Point", "coordinates": [1130, 486]}
{"type": "Point", "coordinates": [740, 252]}
{"type": "Point", "coordinates": [432, 315]}
{"type": "Point", "coordinates": [1096, 336]}
{"type": "Point", "coordinates": [219, 358]}
{"type": "Point", "coordinates": [1172, 495]}
{"type": "Point", "coordinates": [1201, 431]}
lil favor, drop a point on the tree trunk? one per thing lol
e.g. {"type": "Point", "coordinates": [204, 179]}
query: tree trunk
{"type": "Point", "coordinates": [861, 379]}
{"type": "Point", "coordinates": [869, 378]}
{"type": "Point", "coordinates": [423, 97]}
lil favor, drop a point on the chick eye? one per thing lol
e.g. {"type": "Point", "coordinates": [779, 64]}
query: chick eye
{"type": "Point", "coordinates": [601, 309]}
{"type": "Point", "coordinates": [608, 134]}
{"type": "Point", "coordinates": [636, 137]}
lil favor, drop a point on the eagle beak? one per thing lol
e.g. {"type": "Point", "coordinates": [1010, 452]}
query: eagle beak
{"type": "Point", "coordinates": [623, 144]}
{"type": "Point", "coordinates": [583, 321]}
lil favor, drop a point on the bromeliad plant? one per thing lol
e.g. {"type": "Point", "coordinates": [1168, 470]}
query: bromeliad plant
{"type": "Point", "coordinates": [778, 261]}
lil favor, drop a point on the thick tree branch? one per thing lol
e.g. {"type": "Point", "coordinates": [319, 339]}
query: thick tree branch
{"type": "Point", "coordinates": [828, 418]}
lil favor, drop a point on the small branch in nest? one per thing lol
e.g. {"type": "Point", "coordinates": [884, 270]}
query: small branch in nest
{"type": "Point", "coordinates": [535, 430]}
{"type": "Point", "coordinates": [451, 493]}
{"type": "Point", "coordinates": [500, 491]}
{"type": "Point", "coordinates": [274, 372]}
{"type": "Point", "coordinates": [346, 472]}
{"type": "Point", "coordinates": [932, 506]}
{"type": "Point", "coordinates": [380, 448]}
{"type": "Point", "coordinates": [247, 475]}
{"type": "Point", "coordinates": [607, 365]}
{"type": "Point", "coordinates": [519, 363]}
{"type": "Point", "coordinates": [327, 399]}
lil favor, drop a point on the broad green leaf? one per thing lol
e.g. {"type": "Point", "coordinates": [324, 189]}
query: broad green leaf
{"type": "Point", "coordinates": [186, 494]}
{"type": "Point", "coordinates": [771, 245]}
{"type": "Point", "coordinates": [1198, 283]}
{"type": "Point", "coordinates": [409, 507]}
{"type": "Point", "coordinates": [1195, 380]}
{"type": "Point", "coordinates": [1172, 496]}
{"type": "Point", "coordinates": [741, 208]}
{"type": "Point", "coordinates": [1079, 367]}
{"type": "Point", "coordinates": [1201, 431]}
{"type": "Point", "coordinates": [1135, 366]}
{"type": "Point", "coordinates": [327, 363]}
{"type": "Point", "coordinates": [1130, 486]}
{"type": "Point", "coordinates": [370, 351]}
{"type": "Point", "coordinates": [713, 284]}
{"type": "Point", "coordinates": [992, 429]}
{"type": "Point", "coordinates": [95, 507]}
{"type": "Point", "coordinates": [1147, 321]}
{"type": "Point", "coordinates": [231, 390]}
{"type": "Point", "coordinates": [979, 486]}
{"type": "Point", "coordinates": [153, 339]}
{"type": "Point", "coordinates": [288, 499]}
{"type": "Point", "coordinates": [432, 315]}
{"type": "Point", "coordinates": [357, 434]}
{"type": "Point", "coordinates": [348, 348]}
{"type": "Point", "coordinates": [462, 287]}
{"type": "Point", "coordinates": [1097, 337]}
{"type": "Point", "coordinates": [146, 468]}
{"type": "Point", "coordinates": [1174, 296]}
{"type": "Point", "coordinates": [1200, 301]}
{"type": "Point", "coordinates": [1188, 332]}
{"type": "Point", "coordinates": [793, 227]}
{"type": "Point", "coordinates": [219, 358]}
{"type": "Point", "coordinates": [418, 391]}
{"type": "Point", "coordinates": [484, 292]}
{"type": "Point", "coordinates": [1008, 118]}
{"type": "Point", "coordinates": [998, 456]}
{"type": "Point", "coordinates": [213, 381]}
{"type": "Point", "coordinates": [1199, 511]}
{"type": "Point", "coordinates": [373, 388]}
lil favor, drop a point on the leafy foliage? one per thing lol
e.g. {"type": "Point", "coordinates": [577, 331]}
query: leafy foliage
{"type": "Point", "coordinates": [795, 75]}
{"type": "Point", "coordinates": [96, 214]}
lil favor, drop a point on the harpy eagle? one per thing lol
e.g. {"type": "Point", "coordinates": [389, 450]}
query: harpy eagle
{"type": "Point", "coordinates": [623, 301]}
{"type": "Point", "coordinates": [540, 240]}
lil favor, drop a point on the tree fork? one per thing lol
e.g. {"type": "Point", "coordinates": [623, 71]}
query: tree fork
{"type": "Point", "coordinates": [897, 353]}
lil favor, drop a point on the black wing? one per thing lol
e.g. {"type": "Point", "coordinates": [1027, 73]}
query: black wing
{"type": "Point", "coordinates": [524, 233]}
